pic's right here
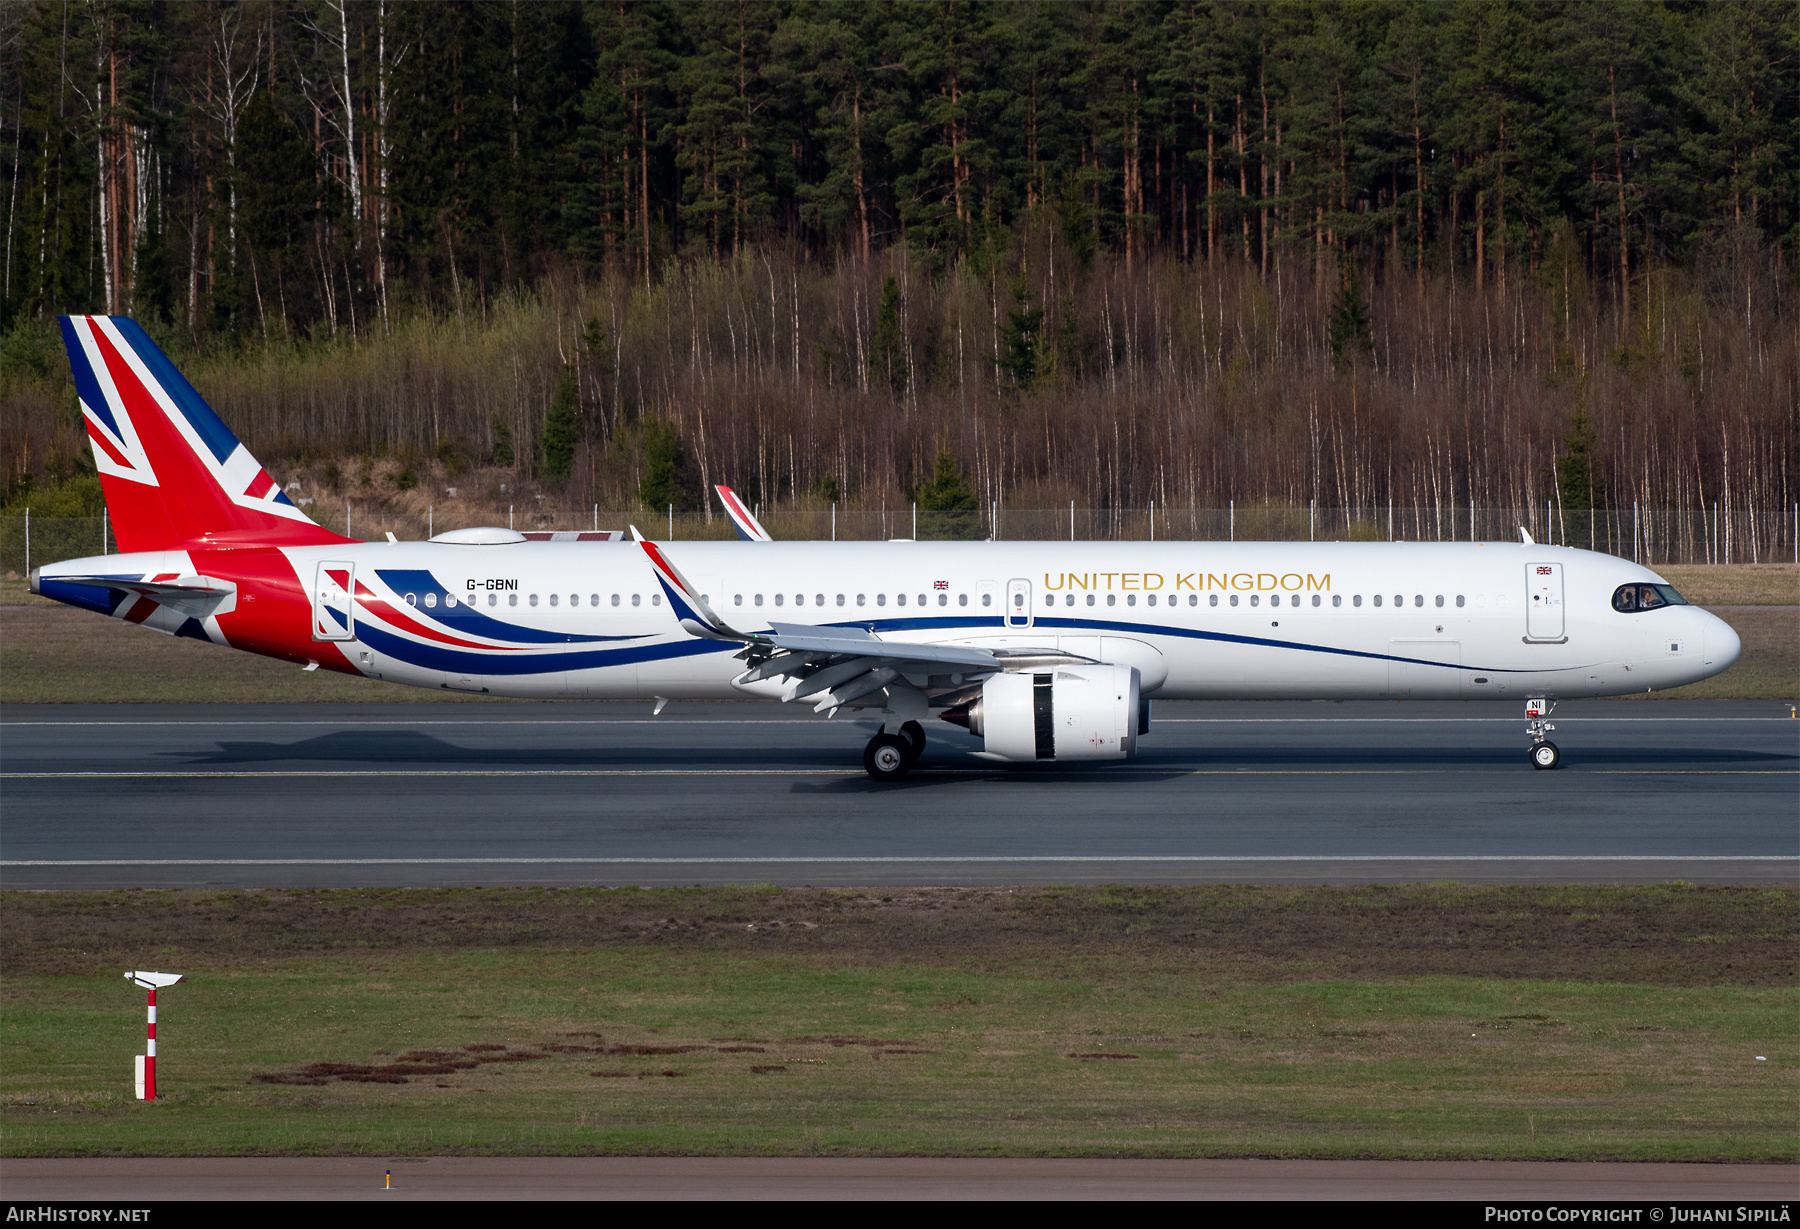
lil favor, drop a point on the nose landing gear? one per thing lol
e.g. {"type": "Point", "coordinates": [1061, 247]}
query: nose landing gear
{"type": "Point", "coordinates": [1543, 753]}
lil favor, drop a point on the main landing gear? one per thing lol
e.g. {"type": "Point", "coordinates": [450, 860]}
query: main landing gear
{"type": "Point", "coordinates": [1544, 754]}
{"type": "Point", "coordinates": [888, 757]}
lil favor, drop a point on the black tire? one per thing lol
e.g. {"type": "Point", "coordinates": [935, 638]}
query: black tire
{"type": "Point", "coordinates": [887, 757]}
{"type": "Point", "coordinates": [1545, 756]}
{"type": "Point", "coordinates": [914, 733]}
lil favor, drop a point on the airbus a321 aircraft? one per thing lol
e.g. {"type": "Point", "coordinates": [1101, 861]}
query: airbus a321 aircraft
{"type": "Point", "coordinates": [1040, 651]}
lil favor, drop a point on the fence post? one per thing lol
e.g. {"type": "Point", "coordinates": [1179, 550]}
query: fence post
{"type": "Point", "coordinates": [671, 522]}
{"type": "Point", "coordinates": [915, 536]}
{"type": "Point", "coordinates": [104, 526]}
{"type": "Point", "coordinates": [1153, 520]}
{"type": "Point", "coordinates": [1231, 532]}
{"type": "Point", "coordinates": [430, 521]}
{"type": "Point", "coordinates": [1312, 516]}
{"type": "Point", "coordinates": [1471, 520]}
{"type": "Point", "coordinates": [28, 546]}
{"type": "Point", "coordinates": [1634, 531]}
{"type": "Point", "coordinates": [1071, 520]}
{"type": "Point", "coordinates": [834, 522]}
{"type": "Point", "coordinates": [596, 518]}
{"type": "Point", "coordinates": [1390, 518]}
{"type": "Point", "coordinates": [347, 532]}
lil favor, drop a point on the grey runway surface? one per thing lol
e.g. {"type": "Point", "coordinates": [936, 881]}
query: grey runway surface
{"type": "Point", "coordinates": [148, 1179]}
{"type": "Point", "coordinates": [275, 795]}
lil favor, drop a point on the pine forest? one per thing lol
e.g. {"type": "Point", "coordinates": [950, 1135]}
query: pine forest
{"type": "Point", "coordinates": [1026, 255]}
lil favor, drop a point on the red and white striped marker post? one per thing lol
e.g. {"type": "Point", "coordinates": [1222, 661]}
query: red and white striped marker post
{"type": "Point", "coordinates": [146, 1062]}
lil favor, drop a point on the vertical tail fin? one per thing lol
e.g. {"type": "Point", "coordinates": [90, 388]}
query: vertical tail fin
{"type": "Point", "coordinates": [172, 472]}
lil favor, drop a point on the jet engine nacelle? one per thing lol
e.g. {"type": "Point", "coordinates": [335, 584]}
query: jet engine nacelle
{"type": "Point", "coordinates": [1074, 712]}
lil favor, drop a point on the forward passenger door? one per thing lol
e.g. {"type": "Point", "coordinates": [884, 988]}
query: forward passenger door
{"type": "Point", "coordinates": [1544, 601]}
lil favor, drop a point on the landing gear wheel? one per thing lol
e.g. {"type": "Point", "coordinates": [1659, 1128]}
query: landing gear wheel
{"type": "Point", "coordinates": [887, 757]}
{"type": "Point", "coordinates": [1545, 755]}
{"type": "Point", "coordinates": [914, 733]}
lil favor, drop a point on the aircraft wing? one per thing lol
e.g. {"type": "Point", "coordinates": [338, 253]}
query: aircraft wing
{"type": "Point", "coordinates": [838, 664]}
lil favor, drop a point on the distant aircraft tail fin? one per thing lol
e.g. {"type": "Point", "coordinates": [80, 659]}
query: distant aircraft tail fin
{"type": "Point", "coordinates": [747, 526]}
{"type": "Point", "coordinates": [173, 474]}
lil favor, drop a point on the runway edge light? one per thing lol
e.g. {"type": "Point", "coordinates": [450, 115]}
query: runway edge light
{"type": "Point", "coordinates": [146, 1062]}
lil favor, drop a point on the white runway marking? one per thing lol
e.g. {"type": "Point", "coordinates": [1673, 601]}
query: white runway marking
{"type": "Point", "coordinates": [891, 860]}
{"type": "Point", "coordinates": [1143, 770]}
{"type": "Point", "coordinates": [475, 723]}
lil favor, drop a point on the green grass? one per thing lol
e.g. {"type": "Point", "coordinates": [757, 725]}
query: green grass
{"type": "Point", "coordinates": [1279, 1021]}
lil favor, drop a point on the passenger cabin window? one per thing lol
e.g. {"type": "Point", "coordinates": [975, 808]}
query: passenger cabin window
{"type": "Point", "coordinates": [881, 599]}
{"type": "Point", "coordinates": [859, 599]}
{"type": "Point", "coordinates": [900, 599]}
{"type": "Point", "coordinates": [1440, 599]}
{"type": "Point", "coordinates": [737, 599]}
{"type": "Point", "coordinates": [962, 599]}
{"type": "Point", "coordinates": [1112, 599]}
{"type": "Point", "coordinates": [1070, 600]}
{"type": "Point", "coordinates": [840, 599]}
{"type": "Point", "coordinates": [1337, 599]}
{"type": "Point", "coordinates": [1255, 599]}
{"type": "Point", "coordinates": [1633, 599]}
{"type": "Point", "coordinates": [431, 599]}
{"type": "Point", "coordinates": [512, 599]}
{"type": "Point", "coordinates": [1131, 600]}
{"type": "Point", "coordinates": [1317, 599]}
{"type": "Point", "coordinates": [1234, 598]}
{"type": "Point", "coordinates": [1459, 599]}
{"type": "Point", "coordinates": [637, 599]}
{"type": "Point", "coordinates": [1090, 599]}
{"type": "Point", "coordinates": [921, 599]}
{"type": "Point", "coordinates": [1377, 599]}
{"type": "Point", "coordinates": [987, 599]}
{"type": "Point", "coordinates": [656, 599]}
{"type": "Point", "coordinates": [1151, 600]}
{"type": "Point", "coordinates": [553, 599]}
{"type": "Point", "coordinates": [494, 599]}
{"type": "Point", "coordinates": [412, 599]}
{"type": "Point", "coordinates": [1212, 599]}
{"type": "Point", "coordinates": [534, 600]}
{"type": "Point", "coordinates": [593, 599]}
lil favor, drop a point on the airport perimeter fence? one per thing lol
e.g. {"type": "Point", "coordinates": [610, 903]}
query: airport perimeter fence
{"type": "Point", "coordinates": [1650, 536]}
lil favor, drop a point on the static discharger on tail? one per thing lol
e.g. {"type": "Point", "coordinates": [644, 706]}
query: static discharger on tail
{"type": "Point", "coordinates": [1040, 651]}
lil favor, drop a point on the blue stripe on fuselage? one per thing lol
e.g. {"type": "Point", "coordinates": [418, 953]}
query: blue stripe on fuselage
{"type": "Point", "coordinates": [431, 657]}
{"type": "Point", "coordinates": [466, 619]}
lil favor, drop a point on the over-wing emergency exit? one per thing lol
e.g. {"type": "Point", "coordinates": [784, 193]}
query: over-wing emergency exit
{"type": "Point", "coordinates": [1038, 651]}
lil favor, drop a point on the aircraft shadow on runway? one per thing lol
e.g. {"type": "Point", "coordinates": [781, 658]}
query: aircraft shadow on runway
{"type": "Point", "coordinates": [409, 749]}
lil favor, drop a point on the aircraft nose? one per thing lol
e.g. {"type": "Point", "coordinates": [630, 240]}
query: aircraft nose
{"type": "Point", "coordinates": [1722, 643]}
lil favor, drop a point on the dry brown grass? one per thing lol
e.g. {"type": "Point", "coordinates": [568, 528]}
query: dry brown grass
{"type": "Point", "coordinates": [1674, 935]}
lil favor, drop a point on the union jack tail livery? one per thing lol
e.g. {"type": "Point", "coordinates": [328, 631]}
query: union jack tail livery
{"type": "Point", "coordinates": [173, 474]}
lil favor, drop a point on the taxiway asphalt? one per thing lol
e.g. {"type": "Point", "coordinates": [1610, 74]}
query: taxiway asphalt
{"type": "Point", "coordinates": [339, 795]}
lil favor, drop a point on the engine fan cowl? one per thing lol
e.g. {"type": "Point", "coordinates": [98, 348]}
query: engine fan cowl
{"type": "Point", "coordinates": [1087, 712]}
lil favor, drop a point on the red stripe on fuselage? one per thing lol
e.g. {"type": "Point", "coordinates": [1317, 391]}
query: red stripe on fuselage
{"type": "Point", "coordinates": [382, 609]}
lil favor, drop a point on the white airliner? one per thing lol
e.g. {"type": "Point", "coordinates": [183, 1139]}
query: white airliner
{"type": "Point", "coordinates": [1039, 650]}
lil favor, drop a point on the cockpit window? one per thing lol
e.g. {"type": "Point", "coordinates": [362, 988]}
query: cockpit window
{"type": "Point", "coordinates": [1630, 599]}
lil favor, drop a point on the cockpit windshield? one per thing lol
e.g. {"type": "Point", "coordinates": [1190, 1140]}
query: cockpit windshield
{"type": "Point", "coordinates": [1631, 599]}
